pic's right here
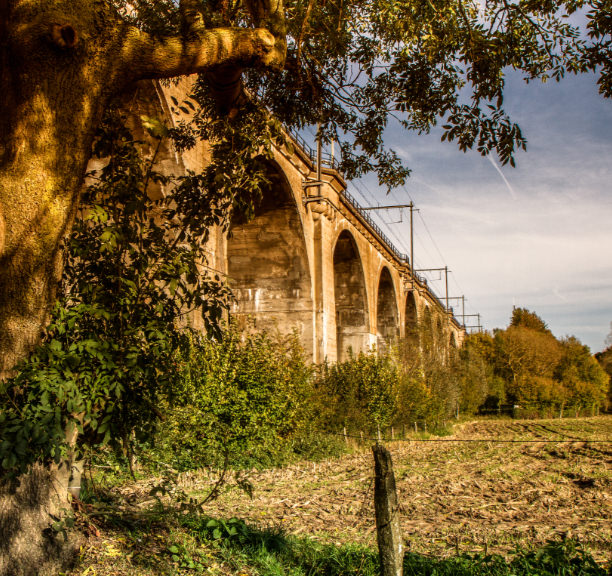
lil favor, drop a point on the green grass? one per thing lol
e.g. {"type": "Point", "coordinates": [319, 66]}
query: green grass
{"type": "Point", "coordinates": [166, 542]}
{"type": "Point", "coordinates": [270, 552]}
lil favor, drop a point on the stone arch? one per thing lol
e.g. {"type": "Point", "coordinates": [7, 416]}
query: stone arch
{"type": "Point", "coordinates": [350, 298]}
{"type": "Point", "coordinates": [411, 343]}
{"type": "Point", "coordinates": [440, 340]}
{"type": "Point", "coordinates": [438, 330]}
{"type": "Point", "coordinates": [387, 322]}
{"type": "Point", "coordinates": [411, 320]}
{"type": "Point", "coordinates": [427, 331]}
{"type": "Point", "coordinates": [147, 100]}
{"type": "Point", "coordinates": [267, 263]}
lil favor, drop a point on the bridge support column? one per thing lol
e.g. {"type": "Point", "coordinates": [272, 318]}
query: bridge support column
{"type": "Point", "coordinates": [323, 282]}
{"type": "Point", "coordinates": [318, 303]}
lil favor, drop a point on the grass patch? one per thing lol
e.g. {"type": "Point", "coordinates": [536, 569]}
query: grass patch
{"type": "Point", "coordinates": [271, 552]}
{"type": "Point", "coordinates": [166, 541]}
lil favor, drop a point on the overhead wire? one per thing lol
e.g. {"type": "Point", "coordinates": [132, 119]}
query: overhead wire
{"type": "Point", "coordinates": [453, 277]}
{"type": "Point", "coordinates": [469, 440]}
{"type": "Point", "coordinates": [422, 243]}
{"type": "Point", "coordinates": [390, 230]}
{"type": "Point", "coordinates": [370, 198]}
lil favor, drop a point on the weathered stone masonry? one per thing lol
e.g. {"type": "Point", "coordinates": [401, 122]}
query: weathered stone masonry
{"type": "Point", "coordinates": [311, 261]}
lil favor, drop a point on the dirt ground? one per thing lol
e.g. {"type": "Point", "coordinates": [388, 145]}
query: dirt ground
{"type": "Point", "coordinates": [465, 492]}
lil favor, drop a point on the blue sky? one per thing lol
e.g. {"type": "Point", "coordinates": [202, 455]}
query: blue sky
{"type": "Point", "coordinates": [537, 236]}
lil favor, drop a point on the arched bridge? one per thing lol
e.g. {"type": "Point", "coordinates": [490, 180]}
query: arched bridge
{"type": "Point", "coordinates": [313, 261]}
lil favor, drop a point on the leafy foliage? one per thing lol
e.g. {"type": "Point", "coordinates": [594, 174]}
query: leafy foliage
{"type": "Point", "coordinates": [583, 380]}
{"type": "Point", "coordinates": [355, 67]}
{"type": "Point", "coordinates": [267, 548]}
{"type": "Point", "coordinates": [358, 66]}
{"type": "Point", "coordinates": [605, 361]}
{"type": "Point", "coordinates": [360, 392]}
{"type": "Point", "coordinates": [528, 366]}
{"type": "Point", "coordinates": [521, 317]}
{"type": "Point", "coordinates": [243, 402]}
{"type": "Point", "coordinates": [118, 359]}
{"type": "Point", "coordinates": [133, 271]}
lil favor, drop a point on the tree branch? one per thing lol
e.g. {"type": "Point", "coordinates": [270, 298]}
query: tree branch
{"type": "Point", "coordinates": [201, 49]}
{"type": "Point", "coordinates": [300, 40]}
{"type": "Point", "coordinates": [147, 57]}
{"type": "Point", "coordinates": [270, 14]}
{"type": "Point", "coordinates": [191, 16]}
{"type": "Point", "coordinates": [221, 53]}
{"type": "Point", "coordinates": [5, 10]}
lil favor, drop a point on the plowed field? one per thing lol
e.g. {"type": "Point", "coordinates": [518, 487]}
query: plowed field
{"type": "Point", "coordinates": [470, 492]}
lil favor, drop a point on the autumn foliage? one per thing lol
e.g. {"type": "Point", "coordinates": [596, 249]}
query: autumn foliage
{"type": "Point", "coordinates": [537, 371]}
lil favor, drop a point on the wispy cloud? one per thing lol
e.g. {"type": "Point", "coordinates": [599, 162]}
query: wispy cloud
{"type": "Point", "coordinates": [499, 171]}
{"type": "Point", "coordinates": [541, 235]}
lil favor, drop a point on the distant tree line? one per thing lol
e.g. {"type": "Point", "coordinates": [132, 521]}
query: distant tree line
{"type": "Point", "coordinates": [605, 360]}
{"type": "Point", "coordinates": [526, 365]}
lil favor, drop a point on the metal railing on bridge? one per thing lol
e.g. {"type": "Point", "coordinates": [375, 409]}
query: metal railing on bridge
{"type": "Point", "coordinates": [326, 158]}
{"type": "Point", "coordinates": [346, 195]}
{"type": "Point", "coordinates": [330, 162]}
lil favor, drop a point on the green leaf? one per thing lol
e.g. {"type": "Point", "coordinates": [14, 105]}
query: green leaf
{"type": "Point", "coordinates": [154, 127]}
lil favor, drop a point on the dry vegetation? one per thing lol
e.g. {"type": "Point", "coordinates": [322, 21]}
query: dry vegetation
{"type": "Point", "coordinates": [471, 496]}
{"type": "Point", "coordinates": [457, 496]}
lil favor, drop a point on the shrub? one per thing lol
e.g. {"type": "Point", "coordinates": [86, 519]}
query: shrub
{"type": "Point", "coordinates": [245, 401]}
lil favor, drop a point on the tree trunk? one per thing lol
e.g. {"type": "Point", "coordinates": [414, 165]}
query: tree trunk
{"type": "Point", "coordinates": [42, 162]}
{"type": "Point", "coordinates": [33, 539]}
{"type": "Point", "coordinates": [54, 92]}
{"type": "Point", "coordinates": [61, 62]}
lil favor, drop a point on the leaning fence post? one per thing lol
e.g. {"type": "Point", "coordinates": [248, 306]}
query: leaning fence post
{"type": "Point", "coordinates": [390, 549]}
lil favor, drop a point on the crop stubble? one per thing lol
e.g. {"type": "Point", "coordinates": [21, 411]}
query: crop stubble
{"type": "Point", "coordinates": [455, 496]}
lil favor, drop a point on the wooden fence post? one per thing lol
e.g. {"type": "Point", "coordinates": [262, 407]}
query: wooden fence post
{"type": "Point", "coordinates": [389, 536]}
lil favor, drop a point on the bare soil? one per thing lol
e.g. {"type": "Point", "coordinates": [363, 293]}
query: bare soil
{"type": "Point", "coordinates": [465, 492]}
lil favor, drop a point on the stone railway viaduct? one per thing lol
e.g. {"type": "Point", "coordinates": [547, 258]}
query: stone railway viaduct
{"type": "Point", "coordinates": [311, 260]}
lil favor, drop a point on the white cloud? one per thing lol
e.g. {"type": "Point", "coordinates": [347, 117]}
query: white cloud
{"type": "Point", "coordinates": [548, 244]}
